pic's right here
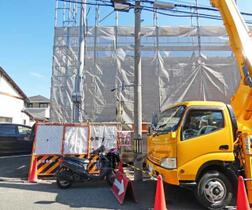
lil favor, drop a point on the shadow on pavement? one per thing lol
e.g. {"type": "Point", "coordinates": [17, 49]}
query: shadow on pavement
{"type": "Point", "coordinates": [89, 194]}
{"type": "Point", "coordinates": [99, 195]}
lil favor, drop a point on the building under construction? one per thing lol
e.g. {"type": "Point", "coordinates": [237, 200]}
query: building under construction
{"type": "Point", "coordinates": [178, 63]}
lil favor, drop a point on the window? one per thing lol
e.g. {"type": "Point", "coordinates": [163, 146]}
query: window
{"type": "Point", "coordinates": [7, 130]}
{"type": "Point", "coordinates": [170, 119]}
{"type": "Point", "coordinates": [201, 122]}
{"type": "Point", "coordinates": [34, 105]}
{"type": "Point", "coordinates": [24, 130]}
{"type": "Point", "coordinates": [43, 105]}
{"type": "Point", "coordinates": [6, 119]}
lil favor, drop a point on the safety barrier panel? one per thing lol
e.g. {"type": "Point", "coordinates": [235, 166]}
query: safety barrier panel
{"type": "Point", "coordinates": [47, 164]}
{"type": "Point", "coordinates": [52, 141]}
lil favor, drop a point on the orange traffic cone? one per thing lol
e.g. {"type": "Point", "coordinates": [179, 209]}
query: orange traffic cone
{"type": "Point", "coordinates": [242, 199]}
{"type": "Point", "coordinates": [160, 203]}
{"type": "Point", "coordinates": [33, 177]}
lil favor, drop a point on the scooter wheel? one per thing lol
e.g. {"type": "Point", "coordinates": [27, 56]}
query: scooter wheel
{"type": "Point", "coordinates": [61, 182]}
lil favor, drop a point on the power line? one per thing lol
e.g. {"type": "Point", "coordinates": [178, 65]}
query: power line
{"type": "Point", "coordinates": [108, 3]}
{"type": "Point", "coordinates": [166, 12]}
{"type": "Point", "coordinates": [174, 15]}
{"type": "Point", "coordinates": [105, 17]}
{"type": "Point", "coordinates": [197, 7]}
{"type": "Point", "coordinates": [190, 13]}
{"type": "Point", "coordinates": [87, 3]}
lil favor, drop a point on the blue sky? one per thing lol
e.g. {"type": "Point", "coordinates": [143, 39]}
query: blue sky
{"type": "Point", "coordinates": [26, 38]}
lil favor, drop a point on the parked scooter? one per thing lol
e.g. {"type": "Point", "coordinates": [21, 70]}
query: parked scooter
{"type": "Point", "coordinates": [73, 169]}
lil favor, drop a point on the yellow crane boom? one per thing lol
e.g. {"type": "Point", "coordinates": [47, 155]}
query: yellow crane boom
{"type": "Point", "coordinates": [241, 44]}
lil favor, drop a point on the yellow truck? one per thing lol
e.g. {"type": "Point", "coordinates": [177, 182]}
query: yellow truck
{"type": "Point", "coordinates": [206, 145]}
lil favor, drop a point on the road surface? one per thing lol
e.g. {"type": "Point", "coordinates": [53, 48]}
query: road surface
{"type": "Point", "coordinates": [17, 193]}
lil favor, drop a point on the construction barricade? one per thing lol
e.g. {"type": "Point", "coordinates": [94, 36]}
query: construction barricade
{"type": "Point", "coordinates": [52, 141]}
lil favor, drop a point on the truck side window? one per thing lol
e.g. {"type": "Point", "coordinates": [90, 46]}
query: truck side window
{"type": "Point", "coordinates": [201, 122]}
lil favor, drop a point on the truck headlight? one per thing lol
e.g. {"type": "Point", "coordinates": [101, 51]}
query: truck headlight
{"type": "Point", "coordinates": [169, 163]}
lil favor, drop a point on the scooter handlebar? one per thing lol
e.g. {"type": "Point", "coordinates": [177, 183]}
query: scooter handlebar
{"type": "Point", "coordinates": [98, 150]}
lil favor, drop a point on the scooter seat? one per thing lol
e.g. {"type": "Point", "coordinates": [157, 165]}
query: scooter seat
{"type": "Point", "coordinates": [83, 161]}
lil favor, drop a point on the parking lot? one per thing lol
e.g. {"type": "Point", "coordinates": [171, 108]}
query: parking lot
{"type": "Point", "coordinates": [17, 193]}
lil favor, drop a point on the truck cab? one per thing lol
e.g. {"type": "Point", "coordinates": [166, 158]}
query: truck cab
{"type": "Point", "coordinates": [192, 144]}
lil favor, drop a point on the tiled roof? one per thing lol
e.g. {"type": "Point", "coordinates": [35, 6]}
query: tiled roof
{"type": "Point", "coordinates": [39, 98]}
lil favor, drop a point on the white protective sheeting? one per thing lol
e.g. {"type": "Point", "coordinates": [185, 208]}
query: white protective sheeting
{"type": "Point", "coordinates": [48, 139]}
{"type": "Point", "coordinates": [103, 135]}
{"type": "Point", "coordinates": [175, 68]}
{"type": "Point", "coordinates": [76, 140]}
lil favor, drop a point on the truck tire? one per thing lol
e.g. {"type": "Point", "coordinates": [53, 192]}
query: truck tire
{"type": "Point", "coordinates": [214, 190]}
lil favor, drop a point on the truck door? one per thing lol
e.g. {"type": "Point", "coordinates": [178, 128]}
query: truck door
{"type": "Point", "coordinates": [204, 133]}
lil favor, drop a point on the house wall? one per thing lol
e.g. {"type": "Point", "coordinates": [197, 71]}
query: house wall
{"type": "Point", "coordinates": [35, 106]}
{"type": "Point", "coordinates": [12, 104]}
{"type": "Point", "coordinates": [47, 112]}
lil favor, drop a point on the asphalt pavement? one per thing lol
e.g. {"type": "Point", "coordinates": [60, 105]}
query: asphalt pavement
{"type": "Point", "coordinates": [14, 167]}
{"type": "Point", "coordinates": [17, 193]}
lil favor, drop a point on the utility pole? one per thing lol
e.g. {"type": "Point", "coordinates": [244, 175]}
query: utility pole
{"type": "Point", "coordinates": [76, 96]}
{"type": "Point", "coordinates": [138, 94]}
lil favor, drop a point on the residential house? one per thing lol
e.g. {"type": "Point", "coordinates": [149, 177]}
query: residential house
{"type": "Point", "coordinates": [39, 108]}
{"type": "Point", "coordinates": [12, 101]}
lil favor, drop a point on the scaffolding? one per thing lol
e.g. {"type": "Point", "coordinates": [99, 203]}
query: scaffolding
{"type": "Point", "coordinates": [178, 63]}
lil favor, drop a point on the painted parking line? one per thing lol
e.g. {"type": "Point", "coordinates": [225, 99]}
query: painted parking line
{"type": "Point", "coordinates": [23, 166]}
{"type": "Point", "coordinates": [14, 156]}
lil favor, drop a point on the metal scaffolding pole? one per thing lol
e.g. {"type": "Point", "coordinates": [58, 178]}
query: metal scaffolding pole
{"type": "Point", "coordinates": [94, 89]}
{"type": "Point", "coordinates": [157, 59]}
{"type": "Point", "coordinates": [76, 96]}
{"type": "Point", "coordinates": [118, 92]}
{"type": "Point", "coordinates": [138, 94]}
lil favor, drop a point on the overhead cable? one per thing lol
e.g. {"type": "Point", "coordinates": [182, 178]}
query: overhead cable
{"type": "Point", "coordinates": [162, 11]}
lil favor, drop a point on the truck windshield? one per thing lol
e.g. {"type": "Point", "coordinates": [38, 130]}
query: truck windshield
{"type": "Point", "coordinates": [169, 119]}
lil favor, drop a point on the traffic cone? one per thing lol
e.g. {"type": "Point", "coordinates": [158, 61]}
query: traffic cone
{"type": "Point", "coordinates": [33, 177]}
{"type": "Point", "coordinates": [120, 167]}
{"type": "Point", "coordinates": [160, 203]}
{"type": "Point", "coordinates": [242, 198]}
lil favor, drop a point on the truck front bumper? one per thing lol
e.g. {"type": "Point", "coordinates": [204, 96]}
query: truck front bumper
{"type": "Point", "coordinates": [169, 175]}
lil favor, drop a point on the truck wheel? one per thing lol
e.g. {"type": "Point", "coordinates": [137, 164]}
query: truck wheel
{"type": "Point", "coordinates": [214, 190]}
